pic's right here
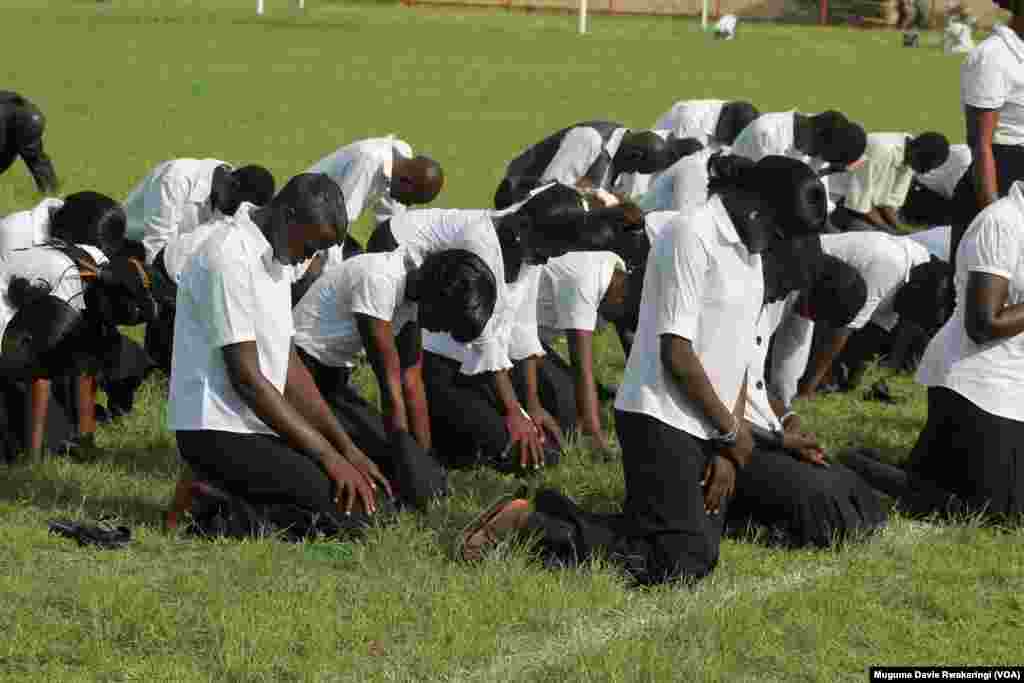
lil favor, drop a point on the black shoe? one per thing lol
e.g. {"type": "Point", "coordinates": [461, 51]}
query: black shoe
{"type": "Point", "coordinates": [101, 535]}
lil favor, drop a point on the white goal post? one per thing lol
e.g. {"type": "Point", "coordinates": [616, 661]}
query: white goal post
{"type": "Point", "coordinates": [300, 4]}
{"type": "Point", "coordinates": [583, 15]}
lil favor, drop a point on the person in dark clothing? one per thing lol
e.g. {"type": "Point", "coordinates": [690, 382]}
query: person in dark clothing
{"type": "Point", "coordinates": [21, 135]}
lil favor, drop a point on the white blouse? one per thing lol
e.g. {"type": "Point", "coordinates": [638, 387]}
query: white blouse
{"type": "Point", "coordinates": [992, 77]}
{"type": "Point", "coordinates": [990, 375]}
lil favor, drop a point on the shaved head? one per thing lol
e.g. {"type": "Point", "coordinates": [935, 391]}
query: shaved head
{"type": "Point", "coordinates": [416, 181]}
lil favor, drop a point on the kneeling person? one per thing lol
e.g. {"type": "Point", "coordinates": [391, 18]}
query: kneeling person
{"type": "Point", "coordinates": [377, 302]}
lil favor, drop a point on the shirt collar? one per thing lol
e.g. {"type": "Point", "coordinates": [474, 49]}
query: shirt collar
{"type": "Point", "coordinates": [256, 240]}
{"type": "Point", "coordinates": [1017, 194]}
{"type": "Point", "coordinates": [1011, 39]}
{"type": "Point", "coordinates": [398, 147]}
{"type": "Point", "coordinates": [726, 230]}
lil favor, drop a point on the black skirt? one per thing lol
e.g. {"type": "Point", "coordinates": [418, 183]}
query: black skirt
{"type": "Point", "coordinates": [971, 453]}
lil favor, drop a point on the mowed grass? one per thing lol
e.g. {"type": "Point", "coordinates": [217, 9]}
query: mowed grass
{"type": "Point", "coordinates": [128, 84]}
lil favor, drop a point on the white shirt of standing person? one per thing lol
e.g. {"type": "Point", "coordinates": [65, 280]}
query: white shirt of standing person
{"type": "Point", "coordinates": [571, 289]}
{"type": "Point", "coordinates": [884, 261]}
{"type": "Point", "coordinates": [24, 229]}
{"type": "Point", "coordinates": [944, 179]}
{"type": "Point", "coordinates": [232, 290]}
{"type": "Point", "coordinates": [992, 77]}
{"type": "Point", "coordinates": [578, 150]}
{"type": "Point", "coordinates": [41, 264]}
{"type": "Point", "coordinates": [363, 172]}
{"type": "Point", "coordinates": [696, 119]}
{"type": "Point", "coordinates": [421, 232]}
{"type": "Point", "coordinates": [172, 200]}
{"type": "Point", "coordinates": [703, 285]}
{"type": "Point", "coordinates": [366, 284]}
{"type": "Point", "coordinates": [990, 375]}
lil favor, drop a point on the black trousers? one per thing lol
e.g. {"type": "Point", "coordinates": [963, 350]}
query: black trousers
{"type": "Point", "coordinates": [416, 477]}
{"type": "Point", "coordinates": [852, 221]}
{"type": "Point", "coordinates": [965, 460]}
{"type": "Point", "coordinates": [466, 421]}
{"type": "Point", "coordinates": [804, 504]}
{"type": "Point", "coordinates": [1009, 168]}
{"type": "Point", "coordinates": [924, 206]}
{"type": "Point", "coordinates": [276, 486]}
{"type": "Point", "coordinates": [663, 533]}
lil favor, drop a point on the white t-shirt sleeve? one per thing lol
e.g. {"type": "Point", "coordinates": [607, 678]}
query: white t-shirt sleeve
{"type": "Point", "coordinates": [995, 249]}
{"type": "Point", "coordinates": [524, 341]}
{"type": "Point", "coordinates": [982, 82]}
{"type": "Point", "coordinates": [681, 269]}
{"type": "Point", "coordinates": [357, 184]}
{"type": "Point", "coordinates": [164, 214]}
{"type": "Point", "coordinates": [226, 288]}
{"type": "Point", "coordinates": [579, 149]}
{"type": "Point", "coordinates": [373, 294]}
{"type": "Point", "coordinates": [860, 196]}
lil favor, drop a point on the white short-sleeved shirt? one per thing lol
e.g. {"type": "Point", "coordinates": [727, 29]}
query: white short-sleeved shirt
{"type": "Point", "coordinates": [363, 172]}
{"type": "Point", "coordinates": [775, 135]}
{"type": "Point", "coordinates": [578, 150]}
{"type": "Point", "coordinates": [367, 284]}
{"type": "Point", "coordinates": [935, 240]}
{"type": "Point", "coordinates": [693, 119]}
{"type": "Point", "coordinates": [422, 232]}
{"type": "Point", "coordinates": [991, 375]}
{"type": "Point", "coordinates": [758, 409]}
{"type": "Point", "coordinates": [701, 284]}
{"type": "Point", "coordinates": [884, 178]}
{"type": "Point", "coordinates": [791, 349]}
{"type": "Point", "coordinates": [23, 229]}
{"type": "Point", "coordinates": [523, 333]}
{"type": "Point", "coordinates": [572, 287]}
{"type": "Point", "coordinates": [173, 199]}
{"type": "Point", "coordinates": [992, 77]}
{"type": "Point", "coordinates": [232, 290]}
{"type": "Point", "coordinates": [681, 186]}
{"type": "Point", "coordinates": [944, 179]}
{"type": "Point", "coordinates": [884, 261]}
{"type": "Point", "coordinates": [656, 222]}
{"type": "Point", "coordinates": [44, 264]}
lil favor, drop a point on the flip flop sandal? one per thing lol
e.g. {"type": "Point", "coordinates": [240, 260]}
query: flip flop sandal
{"type": "Point", "coordinates": [102, 535]}
{"type": "Point", "coordinates": [483, 519]}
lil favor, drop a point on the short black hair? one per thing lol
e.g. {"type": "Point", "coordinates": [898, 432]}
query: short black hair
{"type": "Point", "coordinates": [314, 199]}
{"type": "Point", "coordinates": [929, 151]}
{"type": "Point", "coordinates": [456, 292]}
{"type": "Point", "coordinates": [838, 294]}
{"type": "Point", "coordinates": [926, 298]}
{"type": "Point", "coordinates": [682, 147]}
{"type": "Point", "coordinates": [840, 141]}
{"type": "Point", "coordinates": [90, 218]}
{"type": "Point", "coordinates": [734, 118]}
{"type": "Point", "coordinates": [254, 184]}
{"type": "Point", "coordinates": [643, 151]}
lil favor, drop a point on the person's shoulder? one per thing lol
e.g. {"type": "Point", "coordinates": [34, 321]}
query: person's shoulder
{"type": "Point", "coordinates": [377, 268]}
{"type": "Point", "coordinates": [992, 50]}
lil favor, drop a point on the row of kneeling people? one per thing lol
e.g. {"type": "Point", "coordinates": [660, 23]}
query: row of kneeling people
{"type": "Point", "coordinates": [268, 315]}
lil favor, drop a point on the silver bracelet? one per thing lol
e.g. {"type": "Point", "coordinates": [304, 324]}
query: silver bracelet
{"type": "Point", "coordinates": [788, 414]}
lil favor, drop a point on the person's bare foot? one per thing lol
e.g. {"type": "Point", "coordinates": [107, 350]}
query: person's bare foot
{"type": "Point", "coordinates": [491, 525]}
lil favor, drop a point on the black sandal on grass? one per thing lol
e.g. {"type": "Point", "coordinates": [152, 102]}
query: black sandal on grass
{"type": "Point", "coordinates": [101, 535]}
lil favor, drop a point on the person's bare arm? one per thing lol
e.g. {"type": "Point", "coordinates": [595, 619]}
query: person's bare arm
{"type": "Point", "coordinates": [986, 316]}
{"type": "Point", "coordinates": [545, 422]}
{"type": "Point", "coordinates": [278, 413]}
{"type": "Point", "coordinates": [890, 216]}
{"type": "Point", "coordinates": [413, 389]}
{"type": "Point", "coordinates": [875, 217]}
{"type": "Point", "coordinates": [588, 407]}
{"type": "Point", "coordinates": [379, 342]}
{"type": "Point", "coordinates": [981, 126]}
{"type": "Point", "coordinates": [520, 427]}
{"type": "Point", "coordinates": [682, 363]}
{"type": "Point", "coordinates": [832, 345]}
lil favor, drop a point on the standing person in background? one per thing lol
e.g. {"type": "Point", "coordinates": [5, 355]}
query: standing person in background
{"type": "Point", "coordinates": [168, 205]}
{"type": "Point", "coordinates": [21, 135]}
{"type": "Point", "coordinates": [992, 94]}
{"type": "Point", "coordinates": [714, 123]}
{"type": "Point", "coordinates": [913, 18]}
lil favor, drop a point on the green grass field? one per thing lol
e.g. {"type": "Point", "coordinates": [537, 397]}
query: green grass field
{"type": "Point", "coordinates": [126, 84]}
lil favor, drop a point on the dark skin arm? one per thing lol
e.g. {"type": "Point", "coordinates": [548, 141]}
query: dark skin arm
{"type": "Point", "coordinates": [546, 424]}
{"type": "Point", "coordinates": [521, 428]}
{"type": "Point", "coordinates": [588, 407]}
{"type": "Point", "coordinates": [402, 395]}
{"type": "Point", "coordinates": [821, 362]}
{"type": "Point", "coordinates": [279, 413]}
{"type": "Point", "coordinates": [981, 126]}
{"type": "Point", "coordinates": [413, 389]}
{"type": "Point", "coordinates": [986, 316]}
